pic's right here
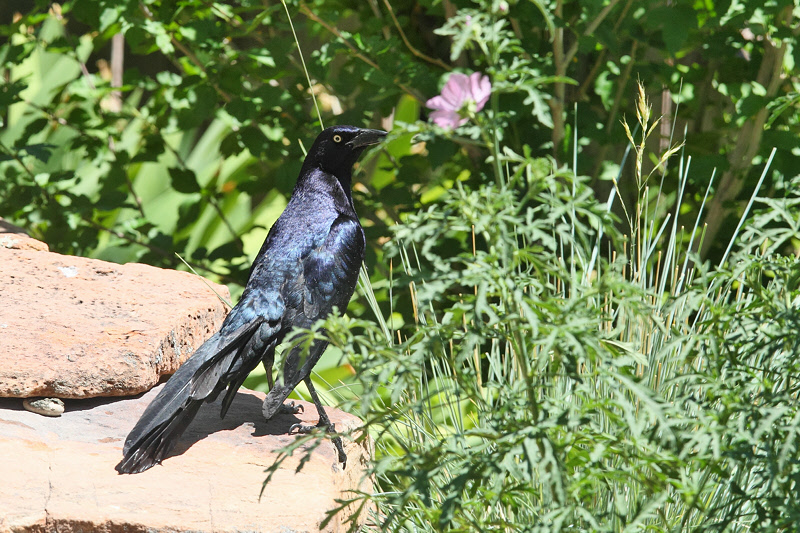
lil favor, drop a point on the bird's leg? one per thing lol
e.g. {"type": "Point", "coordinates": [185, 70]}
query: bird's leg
{"type": "Point", "coordinates": [324, 422]}
{"type": "Point", "coordinates": [289, 408]}
{"type": "Point", "coordinates": [267, 361]}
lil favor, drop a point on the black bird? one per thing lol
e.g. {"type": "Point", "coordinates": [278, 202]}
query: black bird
{"type": "Point", "coordinates": [308, 265]}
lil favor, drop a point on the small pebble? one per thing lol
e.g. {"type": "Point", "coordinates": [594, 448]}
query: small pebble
{"type": "Point", "coordinates": [44, 406]}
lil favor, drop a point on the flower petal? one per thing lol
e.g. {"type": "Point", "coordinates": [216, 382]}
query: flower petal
{"type": "Point", "coordinates": [437, 102]}
{"type": "Point", "coordinates": [447, 119]}
{"type": "Point", "coordinates": [455, 91]}
{"type": "Point", "coordinates": [480, 89]}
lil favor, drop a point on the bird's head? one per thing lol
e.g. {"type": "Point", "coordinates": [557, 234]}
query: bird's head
{"type": "Point", "coordinates": [337, 148]}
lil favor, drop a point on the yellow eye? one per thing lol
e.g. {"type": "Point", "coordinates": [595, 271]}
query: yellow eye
{"type": "Point", "coordinates": [337, 138]}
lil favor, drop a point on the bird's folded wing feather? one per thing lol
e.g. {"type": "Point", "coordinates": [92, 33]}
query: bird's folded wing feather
{"type": "Point", "coordinates": [330, 271]}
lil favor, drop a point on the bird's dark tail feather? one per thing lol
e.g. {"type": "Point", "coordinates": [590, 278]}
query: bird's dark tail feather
{"type": "Point", "coordinates": [199, 379]}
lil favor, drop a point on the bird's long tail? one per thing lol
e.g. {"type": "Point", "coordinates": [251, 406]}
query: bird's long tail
{"type": "Point", "coordinates": [199, 379]}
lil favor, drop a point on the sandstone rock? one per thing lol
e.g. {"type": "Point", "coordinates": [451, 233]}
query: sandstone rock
{"type": "Point", "coordinates": [58, 473]}
{"type": "Point", "coordinates": [14, 237]}
{"type": "Point", "coordinates": [72, 327]}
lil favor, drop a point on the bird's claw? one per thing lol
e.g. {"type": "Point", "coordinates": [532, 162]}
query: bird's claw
{"type": "Point", "coordinates": [337, 441]}
{"type": "Point", "coordinates": [301, 428]}
{"type": "Point", "coordinates": [291, 408]}
{"type": "Point", "coordinates": [304, 429]}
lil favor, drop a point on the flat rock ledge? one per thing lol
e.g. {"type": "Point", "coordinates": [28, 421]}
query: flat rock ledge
{"type": "Point", "coordinates": [58, 473]}
{"type": "Point", "coordinates": [72, 327]}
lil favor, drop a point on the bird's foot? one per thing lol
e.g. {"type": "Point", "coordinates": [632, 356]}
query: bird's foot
{"type": "Point", "coordinates": [291, 408]}
{"type": "Point", "coordinates": [304, 429]}
{"type": "Point", "coordinates": [330, 428]}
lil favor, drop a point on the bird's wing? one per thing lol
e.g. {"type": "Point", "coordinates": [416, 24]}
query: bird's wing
{"type": "Point", "coordinates": [330, 271]}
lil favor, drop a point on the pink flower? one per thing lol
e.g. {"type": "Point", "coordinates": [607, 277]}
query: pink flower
{"type": "Point", "coordinates": [460, 96]}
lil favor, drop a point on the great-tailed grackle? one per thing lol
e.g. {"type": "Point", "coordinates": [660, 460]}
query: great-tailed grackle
{"type": "Point", "coordinates": [308, 264]}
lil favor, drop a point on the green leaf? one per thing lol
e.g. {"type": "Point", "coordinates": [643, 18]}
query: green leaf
{"type": "Point", "coordinates": [228, 250]}
{"type": "Point", "coordinates": [678, 22]}
{"type": "Point", "coordinates": [184, 180]}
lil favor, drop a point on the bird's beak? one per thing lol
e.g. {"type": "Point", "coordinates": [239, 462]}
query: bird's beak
{"type": "Point", "coordinates": [367, 138]}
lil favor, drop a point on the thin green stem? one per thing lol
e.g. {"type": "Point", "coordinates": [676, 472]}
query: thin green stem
{"type": "Point", "coordinates": [303, 62]}
{"type": "Point", "coordinates": [491, 142]}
